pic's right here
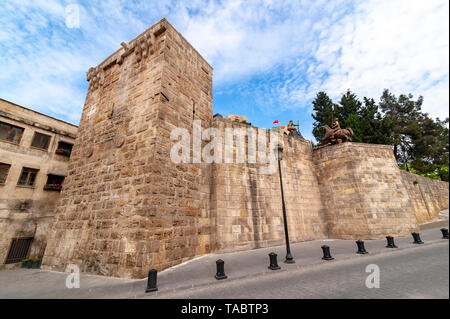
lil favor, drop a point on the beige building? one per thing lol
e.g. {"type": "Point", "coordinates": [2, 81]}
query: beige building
{"type": "Point", "coordinates": [34, 154]}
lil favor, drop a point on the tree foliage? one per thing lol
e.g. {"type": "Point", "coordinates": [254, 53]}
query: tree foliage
{"type": "Point", "coordinates": [419, 143]}
{"type": "Point", "coordinates": [323, 113]}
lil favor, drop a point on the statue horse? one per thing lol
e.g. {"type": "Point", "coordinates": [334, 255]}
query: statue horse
{"type": "Point", "coordinates": [344, 134]}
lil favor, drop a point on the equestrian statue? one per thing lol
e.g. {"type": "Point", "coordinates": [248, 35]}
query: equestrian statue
{"type": "Point", "coordinates": [335, 134]}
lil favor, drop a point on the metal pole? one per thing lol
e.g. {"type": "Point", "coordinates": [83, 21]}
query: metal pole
{"type": "Point", "coordinates": [289, 259]}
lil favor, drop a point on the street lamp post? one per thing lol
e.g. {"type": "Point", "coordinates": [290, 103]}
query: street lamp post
{"type": "Point", "coordinates": [289, 258]}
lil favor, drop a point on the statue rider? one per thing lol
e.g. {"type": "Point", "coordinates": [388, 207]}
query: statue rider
{"type": "Point", "coordinates": [293, 131]}
{"type": "Point", "coordinates": [291, 127]}
{"type": "Point", "coordinates": [335, 127]}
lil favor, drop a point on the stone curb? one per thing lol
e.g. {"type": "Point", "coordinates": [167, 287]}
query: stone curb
{"type": "Point", "coordinates": [435, 224]}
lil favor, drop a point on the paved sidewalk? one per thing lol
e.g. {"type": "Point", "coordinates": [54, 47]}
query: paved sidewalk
{"type": "Point", "coordinates": [440, 221]}
{"type": "Point", "coordinates": [239, 265]}
{"type": "Point", "coordinates": [415, 273]}
{"type": "Point", "coordinates": [29, 283]}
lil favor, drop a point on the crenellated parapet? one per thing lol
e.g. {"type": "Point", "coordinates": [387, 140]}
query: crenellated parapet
{"type": "Point", "coordinates": [139, 49]}
{"type": "Point", "coordinates": [94, 77]}
{"type": "Point", "coordinates": [144, 46]}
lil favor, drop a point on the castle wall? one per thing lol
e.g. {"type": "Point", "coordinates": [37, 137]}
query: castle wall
{"type": "Point", "coordinates": [127, 207]}
{"type": "Point", "coordinates": [428, 196]}
{"type": "Point", "coordinates": [247, 201]}
{"type": "Point", "coordinates": [363, 191]}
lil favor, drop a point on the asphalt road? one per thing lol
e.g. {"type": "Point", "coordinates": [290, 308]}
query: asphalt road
{"type": "Point", "coordinates": [419, 272]}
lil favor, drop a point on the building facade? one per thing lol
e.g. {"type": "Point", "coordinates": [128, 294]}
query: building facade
{"type": "Point", "coordinates": [34, 154]}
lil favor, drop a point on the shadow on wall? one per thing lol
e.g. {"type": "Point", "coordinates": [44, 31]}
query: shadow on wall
{"type": "Point", "coordinates": [428, 196]}
{"type": "Point", "coordinates": [256, 216]}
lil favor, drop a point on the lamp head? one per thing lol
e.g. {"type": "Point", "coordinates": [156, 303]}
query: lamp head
{"type": "Point", "coordinates": [279, 150]}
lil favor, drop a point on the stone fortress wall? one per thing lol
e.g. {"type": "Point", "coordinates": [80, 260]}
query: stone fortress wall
{"type": "Point", "coordinates": [363, 191]}
{"type": "Point", "coordinates": [247, 201]}
{"type": "Point", "coordinates": [126, 207]}
{"type": "Point", "coordinates": [427, 196]}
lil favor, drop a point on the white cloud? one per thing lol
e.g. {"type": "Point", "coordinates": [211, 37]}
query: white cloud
{"type": "Point", "coordinates": [271, 54]}
{"type": "Point", "coordinates": [399, 45]}
{"type": "Point", "coordinates": [241, 38]}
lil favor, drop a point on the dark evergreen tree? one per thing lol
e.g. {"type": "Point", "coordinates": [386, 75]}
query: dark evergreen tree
{"type": "Point", "coordinates": [349, 105]}
{"type": "Point", "coordinates": [431, 146]}
{"type": "Point", "coordinates": [374, 128]}
{"type": "Point", "coordinates": [353, 121]}
{"type": "Point", "coordinates": [402, 115]}
{"type": "Point", "coordinates": [323, 113]}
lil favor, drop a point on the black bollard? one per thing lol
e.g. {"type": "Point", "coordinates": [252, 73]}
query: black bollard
{"type": "Point", "coordinates": [361, 249]}
{"type": "Point", "coordinates": [326, 253]}
{"type": "Point", "coordinates": [444, 233]}
{"type": "Point", "coordinates": [273, 261]}
{"type": "Point", "coordinates": [390, 242]}
{"type": "Point", "coordinates": [220, 270]}
{"type": "Point", "coordinates": [417, 239]}
{"type": "Point", "coordinates": [151, 282]}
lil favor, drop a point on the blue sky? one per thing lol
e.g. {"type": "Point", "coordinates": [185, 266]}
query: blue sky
{"type": "Point", "coordinates": [270, 58]}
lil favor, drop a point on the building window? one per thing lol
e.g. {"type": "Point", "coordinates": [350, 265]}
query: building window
{"type": "Point", "coordinates": [28, 176]}
{"type": "Point", "coordinates": [40, 141]}
{"type": "Point", "coordinates": [54, 183]}
{"type": "Point", "coordinates": [64, 149]}
{"type": "Point", "coordinates": [18, 250]}
{"type": "Point", "coordinates": [10, 133]}
{"type": "Point", "coordinates": [4, 169]}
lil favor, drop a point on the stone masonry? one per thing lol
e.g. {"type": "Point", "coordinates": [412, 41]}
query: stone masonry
{"type": "Point", "coordinates": [126, 207]}
{"type": "Point", "coordinates": [363, 192]}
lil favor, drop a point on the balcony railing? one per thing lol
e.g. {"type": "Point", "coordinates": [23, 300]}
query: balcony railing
{"type": "Point", "coordinates": [53, 187]}
{"type": "Point", "coordinates": [63, 152]}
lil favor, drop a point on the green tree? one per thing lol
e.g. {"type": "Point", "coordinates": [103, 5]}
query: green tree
{"type": "Point", "coordinates": [441, 156]}
{"type": "Point", "coordinates": [375, 129]}
{"type": "Point", "coordinates": [323, 113]}
{"type": "Point", "coordinates": [442, 171]}
{"type": "Point", "coordinates": [347, 112]}
{"type": "Point", "coordinates": [420, 144]}
{"type": "Point", "coordinates": [439, 172]}
{"type": "Point", "coordinates": [431, 145]}
{"type": "Point", "coordinates": [363, 118]}
{"type": "Point", "coordinates": [402, 116]}
{"type": "Point", "coordinates": [349, 105]}
{"type": "Point", "coordinates": [354, 122]}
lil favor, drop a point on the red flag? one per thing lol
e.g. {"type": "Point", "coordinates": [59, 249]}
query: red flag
{"type": "Point", "coordinates": [276, 121]}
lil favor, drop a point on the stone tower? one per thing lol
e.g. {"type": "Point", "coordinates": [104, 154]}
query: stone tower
{"type": "Point", "coordinates": [125, 207]}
